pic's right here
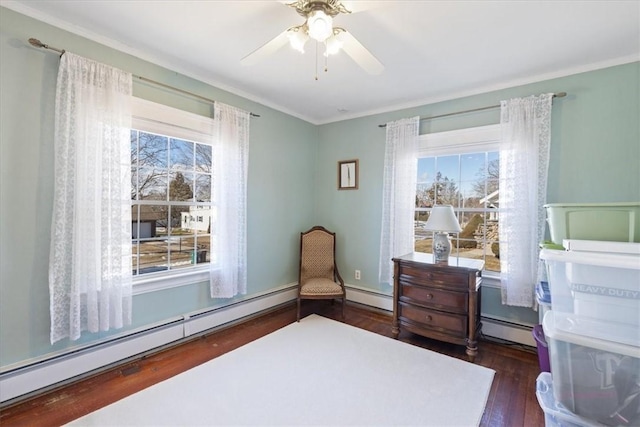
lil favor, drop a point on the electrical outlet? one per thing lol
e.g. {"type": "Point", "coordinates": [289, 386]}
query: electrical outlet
{"type": "Point", "coordinates": [357, 274]}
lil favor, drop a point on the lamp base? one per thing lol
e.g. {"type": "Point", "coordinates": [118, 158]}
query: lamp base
{"type": "Point", "coordinates": [441, 248]}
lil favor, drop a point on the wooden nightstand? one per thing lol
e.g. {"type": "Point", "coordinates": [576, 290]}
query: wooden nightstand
{"type": "Point", "coordinates": [438, 301]}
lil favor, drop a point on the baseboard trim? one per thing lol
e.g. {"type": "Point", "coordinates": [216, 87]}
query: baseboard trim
{"type": "Point", "coordinates": [370, 298]}
{"type": "Point", "coordinates": [23, 382]}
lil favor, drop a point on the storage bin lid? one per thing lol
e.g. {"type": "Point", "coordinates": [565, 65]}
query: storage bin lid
{"type": "Point", "coordinates": [551, 407]}
{"type": "Point", "coordinates": [591, 205]}
{"type": "Point", "coordinates": [554, 333]}
{"type": "Point", "coordinates": [629, 248]}
{"type": "Point", "coordinates": [592, 258]}
{"type": "Point", "coordinates": [543, 294]}
{"type": "Point", "coordinates": [623, 333]}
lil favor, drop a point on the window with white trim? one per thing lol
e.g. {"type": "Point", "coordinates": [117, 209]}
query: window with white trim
{"type": "Point", "coordinates": [461, 168]}
{"type": "Point", "coordinates": [171, 179]}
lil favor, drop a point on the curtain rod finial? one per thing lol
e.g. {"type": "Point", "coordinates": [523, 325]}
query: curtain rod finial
{"type": "Point", "coordinates": [36, 42]}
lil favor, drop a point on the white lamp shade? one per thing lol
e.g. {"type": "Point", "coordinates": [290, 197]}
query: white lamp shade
{"type": "Point", "coordinates": [442, 218]}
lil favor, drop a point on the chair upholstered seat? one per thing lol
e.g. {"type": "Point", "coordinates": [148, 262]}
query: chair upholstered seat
{"type": "Point", "coordinates": [320, 286]}
{"type": "Point", "coordinates": [318, 276]}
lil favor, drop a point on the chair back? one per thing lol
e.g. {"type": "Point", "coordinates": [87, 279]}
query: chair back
{"type": "Point", "coordinates": [317, 254]}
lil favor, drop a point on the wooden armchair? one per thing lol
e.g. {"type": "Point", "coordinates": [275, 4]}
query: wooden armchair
{"type": "Point", "coordinates": [318, 276]}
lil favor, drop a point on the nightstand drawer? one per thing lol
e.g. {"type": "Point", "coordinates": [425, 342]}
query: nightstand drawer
{"type": "Point", "coordinates": [454, 324]}
{"type": "Point", "coordinates": [443, 278]}
{"type": "Point", "coordinates": [437, 298]}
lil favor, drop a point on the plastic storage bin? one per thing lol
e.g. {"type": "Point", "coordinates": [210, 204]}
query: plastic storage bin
{"type": "Point", "coordinates": [543, 297]}
{"type": "Point", "coordinates": [555, 415]}
{"type": "Point", "coordinates": [619, 222]}
{"type": "Point", "coordinates": [595, 379]}
{"type": "Point", "coordinates": [595, 294]}
{"type": "Point", "coordinates": [542, 347]}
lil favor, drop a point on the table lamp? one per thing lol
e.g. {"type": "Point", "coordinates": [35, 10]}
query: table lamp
{"type": "Point", "coordinates": [442, 221]}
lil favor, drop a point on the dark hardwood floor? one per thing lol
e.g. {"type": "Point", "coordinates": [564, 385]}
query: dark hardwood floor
{"type": "Point", "coordinates": [512, 401]}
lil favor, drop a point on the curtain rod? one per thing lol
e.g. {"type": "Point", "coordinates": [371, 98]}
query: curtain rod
{"type": "Point", "coordinates": [38, 43]}
{"type": "Point", "coordinates": [490, 107]}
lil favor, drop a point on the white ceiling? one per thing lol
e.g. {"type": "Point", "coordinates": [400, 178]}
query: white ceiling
{"type": "Point", "coordinates": [431, 50]}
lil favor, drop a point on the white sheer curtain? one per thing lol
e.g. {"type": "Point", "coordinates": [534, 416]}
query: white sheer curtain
{"type": "Point", "coordinates": [229, 233]}
{"type": "Point", "coordinates": [398, 193]}
{"type": "Point", "coordinates": [524, 163]}
{"type": "Point", "coordinates": [90, 260]}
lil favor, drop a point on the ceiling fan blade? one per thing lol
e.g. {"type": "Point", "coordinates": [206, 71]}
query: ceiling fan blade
{"type": "Point", "coordinates": [266, 49]}
{"type": "Point", "coordinates": [361, 6]}
{"type": "Point", "coordinates": [360, 54]}
{"type": "Point", "coordinates": [353, 6]}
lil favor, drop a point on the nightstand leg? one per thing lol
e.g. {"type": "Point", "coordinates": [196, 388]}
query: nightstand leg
{"type": "Point", "coordinates": [472, 351]}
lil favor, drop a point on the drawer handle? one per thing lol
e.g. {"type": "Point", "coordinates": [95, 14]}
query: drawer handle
{"type": "Point", "coordinates": [429, 318]}
{"type": "Point", "coordinates": [429, 296]}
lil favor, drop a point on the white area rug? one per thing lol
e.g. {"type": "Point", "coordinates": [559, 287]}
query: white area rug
{"type": "Point", "coordinates": [317, 372]}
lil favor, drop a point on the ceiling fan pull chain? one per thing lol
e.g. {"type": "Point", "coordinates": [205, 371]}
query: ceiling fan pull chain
{"type": "Point", "coordinates": [316, 60]}
{"type": "Point", "coordinates": [326, 58]}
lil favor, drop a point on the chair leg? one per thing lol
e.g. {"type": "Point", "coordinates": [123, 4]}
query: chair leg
{"type": "Point", "coordinates": [298, 316]}
{"type": "Point", "coordinates": [344, 302]}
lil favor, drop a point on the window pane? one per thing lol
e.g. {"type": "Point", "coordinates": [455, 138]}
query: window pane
{"type": "Point", "coordinates": [176, 219]}
{"type": "Point", "coordinates": [471, 165]}
{"type": "Point", "coordinates": [448, 167]}
{"type": "Point", "coordinates": [426, 169]}
{"type": "Point", "coordinates": [203, 158]}
{"type": "Point", "coordinates": [181, 186]}
{"type": "Point", "coordinates": [134, 148]}
{"type": "Point", "coordinates": [203, 188]}
{"type": "Point", "coordinates": [152, 151]}
{"type": "Point", "coordinates": [202, 230]}
{"type": "Point", "coordinates": [424, 196]}
{"type": "Point", "coordinates": [135, 232]}
{"type": "Point", "coordinates": [181, 249]}
{"type": "Point", "coordinates": [153, 256]}
{"type": "Point", "coordinates": [181, 155]}
{"type": "Point", "coordinates": [152, 184]}
{"type": "Point", "coordinates": [447, 192]}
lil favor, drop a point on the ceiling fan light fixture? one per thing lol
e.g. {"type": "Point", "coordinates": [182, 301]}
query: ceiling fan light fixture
{"type": "Point", "coordinates": [333, 45]}
{"type": "Point", "coordinates": [298, 38]}
{"type": "Point", "coordinates": [320, 25]}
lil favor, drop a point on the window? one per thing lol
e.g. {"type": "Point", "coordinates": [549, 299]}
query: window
{"type": "Point", "coordinates": [171, 179]}
{"type": "Point", "coordinates": [461, 168]}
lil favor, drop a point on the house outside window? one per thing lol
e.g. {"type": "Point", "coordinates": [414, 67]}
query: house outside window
{"type": "Point", "coordinates": [171, 177]}
{"type": "Point", "coordinates": [461, 168]}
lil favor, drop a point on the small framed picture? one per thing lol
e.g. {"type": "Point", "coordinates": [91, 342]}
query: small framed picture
{"type": "Point", "coordinates": [348, 175]}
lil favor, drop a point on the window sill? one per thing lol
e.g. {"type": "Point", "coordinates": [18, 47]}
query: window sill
{"type": "Point", "coordinates": [156, 282]}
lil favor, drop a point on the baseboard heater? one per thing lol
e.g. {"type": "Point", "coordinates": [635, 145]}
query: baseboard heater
{"type": "Point", "coordinates": [508, 331]}
{"type": "Point", "coordinates": [25, 381]}
{"type": "Point", "coordinates": [22, 382]}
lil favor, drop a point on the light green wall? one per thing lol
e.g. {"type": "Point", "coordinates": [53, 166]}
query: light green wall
{"type": "Point", "coordinates": [595, 157]}
{"type": "Point", "coordinates": [282, 159]}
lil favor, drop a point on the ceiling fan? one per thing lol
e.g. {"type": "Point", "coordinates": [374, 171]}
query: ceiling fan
{"type": "Point", "coordinates": [318, 26]}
